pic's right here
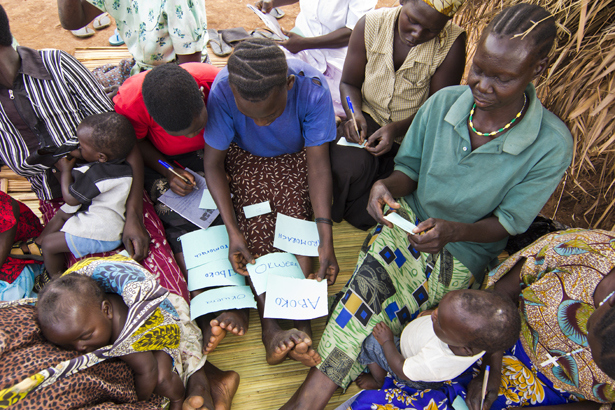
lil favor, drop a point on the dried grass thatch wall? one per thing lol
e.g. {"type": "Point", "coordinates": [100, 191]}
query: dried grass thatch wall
{"type": "Point", "coordinates": [580, 88]}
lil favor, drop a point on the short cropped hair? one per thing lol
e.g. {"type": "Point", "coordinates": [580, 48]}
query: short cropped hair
{"type": "Point", "coordinates": [499, 319]}
{"type": "Point", "coordinates": [6, 38]}
{"type": "Point", "coordinates": [172, 97]}
{"type": "Point", "coordinates": [530, 19]}
{"type": "Point", "coordinates": [60, 297]}
{"type": "Point", "coordinates": [256, 68]}
{"type": "Point", "coordinates": [605, 331]}
{"type": "Point", "coordinates": [112, 134]}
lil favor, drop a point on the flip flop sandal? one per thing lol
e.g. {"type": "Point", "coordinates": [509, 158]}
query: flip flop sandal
{"type": "Point", "coordinates": [102, 21]}
{"type": "Point", "coordinates": [277, 13]}
{"type": "Point", "coordinates": [41, 280]}
{"type": "Point", "coordinates": [262, 33]}
{"type": "Point", "coordinates": [218, 46]}
{"type": "Point", "coordinates": [115, 39]}
{"type": "Point", "coordinates": [33, 251]}
{"type": "Point", "coordinates": [83, 32]}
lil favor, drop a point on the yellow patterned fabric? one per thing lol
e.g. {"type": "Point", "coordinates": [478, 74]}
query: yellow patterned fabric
{"type": "Point", "coordinates": [446, 7]}
{"type": "Point", "coordinates": [558, 279]}
{"type": "Point", "coordinates": [393, 95]}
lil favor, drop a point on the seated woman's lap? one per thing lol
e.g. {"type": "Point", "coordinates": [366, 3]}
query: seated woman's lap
{"type": "Point", "coordinates": [281, 180]}
{"type": "Point", "coordinates": [354, 171]}
{"type": "Point", "coordinates": [392, 283]}
{"type": "Point", "coordinates": [159, 261]}
{"type": "Point", "coordinates": [156, 185]}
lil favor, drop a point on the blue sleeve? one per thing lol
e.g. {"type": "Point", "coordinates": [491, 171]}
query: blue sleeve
{"type": "Point", "coordinates": [220, 130]}
{"type": "Point", "coordinates": [319, 121]}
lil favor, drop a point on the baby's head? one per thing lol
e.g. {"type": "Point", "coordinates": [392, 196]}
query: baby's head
{"type": "Point", "coordinates": [74, 313]}
{"type": "Point", "coordinates": [104, 137]}
{"type": "Point", "coordinates": [472, 321]}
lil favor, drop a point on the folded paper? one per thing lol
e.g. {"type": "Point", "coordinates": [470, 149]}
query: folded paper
{"type": "Point", "coordinates": [251, 211]}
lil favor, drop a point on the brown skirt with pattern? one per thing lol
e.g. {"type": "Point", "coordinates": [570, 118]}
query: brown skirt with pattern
{"type": "Point", "coordinates": [281, 180]}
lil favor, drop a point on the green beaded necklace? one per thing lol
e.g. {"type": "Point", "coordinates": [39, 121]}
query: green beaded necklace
{"type": "Point", "coordinates": [490, 134]}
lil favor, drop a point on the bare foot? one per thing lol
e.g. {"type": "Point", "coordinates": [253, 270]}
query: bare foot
{"type": "Point", "coordinates": [223, 386]}
{"type": "Point", "coordinates": [234, 321]}
{"type": "Point", "coordinates": [303, 352]}
{"type": "Point", "coordinates": [279, 344]}
{"type": "Point", "coordinates": [197, 394]}
{"type": "Point", "coordinates": [366, 381]}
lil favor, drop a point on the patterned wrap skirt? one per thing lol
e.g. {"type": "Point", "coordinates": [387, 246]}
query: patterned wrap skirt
{"type": "Point", "coordinates": [392, 283]}
{"type": "Point", "coordinates": [281, 180]}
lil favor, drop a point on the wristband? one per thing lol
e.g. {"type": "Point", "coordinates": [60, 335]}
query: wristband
{"type": "Point", "coordinates": [323, 221]}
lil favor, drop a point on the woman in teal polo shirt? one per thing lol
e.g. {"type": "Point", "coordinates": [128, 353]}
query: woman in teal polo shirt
{"type": "Point", "coordinates": [477, 165]}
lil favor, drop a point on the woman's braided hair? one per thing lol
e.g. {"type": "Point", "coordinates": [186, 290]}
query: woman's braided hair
{"type": "Point", "coordinates": [527, 20]}
{"type": "Point", "coordinates": [256, 67]}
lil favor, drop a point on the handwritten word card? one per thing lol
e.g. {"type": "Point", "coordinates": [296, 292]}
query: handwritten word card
{"type": "Point", "coordinates": [296, 236]}
{"type": "Point", "coordinates": [215, 300]}
{"type": "Point", "coordinates": [295, 299]}
{"type": "Point", "coordinates": [204, 246]}
{"type": "Point", "coordinates": [257, 209]}
{"type": "Point", "coordinates": [216, 273]}
{"type": "Point", "coordinates": [404, 224]}
{"type": "Point", "coordinates": [281, 264]}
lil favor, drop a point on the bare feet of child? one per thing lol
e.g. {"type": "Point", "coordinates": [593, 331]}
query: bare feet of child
{"type": "Point", "coordinates": [366, 381]}
{"type": "Point", "coordinates": [279, 343]}
{"type": "Point", "coordinates": [223, 386]}
{"type": "Point", "coordinates": [304, 353]}
{"type": "Point", "coordinates": [234, 321]}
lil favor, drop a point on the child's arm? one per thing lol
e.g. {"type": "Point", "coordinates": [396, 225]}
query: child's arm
{"type": "Point", "coordinates": [66, 179]}
{"type": "Point", "coordinates": [145, 367]}
{"type": "Point", "coordinates": [384, 336]}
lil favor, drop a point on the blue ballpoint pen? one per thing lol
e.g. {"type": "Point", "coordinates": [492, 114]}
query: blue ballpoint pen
{"type": "Point", "coordinates": [170, 168]}
{"type": "Point", "coordinates": [354, 121]}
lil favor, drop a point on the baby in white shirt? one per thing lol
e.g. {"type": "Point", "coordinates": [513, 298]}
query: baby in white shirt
{"type": "Point", "coordinates": [439, 347]}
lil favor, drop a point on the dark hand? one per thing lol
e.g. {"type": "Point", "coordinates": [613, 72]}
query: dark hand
{"type": "Point", "coordinates": [382, 333]}
{"type": "Point", "coordinates": [380, 196]}
{"type": "Point", "coordinates": [294, 43]}
{"type": "Point", "coordinates": [381, 141]}
{"type": "Point", "coordinates": [238, 254]}
{"type": "Point", "coordinates": [178, 185]}
{"type": "Point", "coordinates": [475, 391]}
{"type": "Point", "coordinates": [351, 134]}
{"type": "Point", "coordinates": [431, 235]}
{"type": "Point", "coordinates": [111, 91]}
{"type": "Point", "coordinates": [264, 5]}
{"type": "Point", "coordinates": [65, 164]}
{"type": "Point", "coordinates": [135, 238]}
{"type": "Point", "coordinates": [328, 265]}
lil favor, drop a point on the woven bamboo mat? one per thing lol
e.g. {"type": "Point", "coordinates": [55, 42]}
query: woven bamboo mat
{"type": "Point", "coordinates": [92, 57]}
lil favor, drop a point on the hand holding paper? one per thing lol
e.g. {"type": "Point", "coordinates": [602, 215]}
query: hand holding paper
{"type": "Point", "coordinates": [239, 253]}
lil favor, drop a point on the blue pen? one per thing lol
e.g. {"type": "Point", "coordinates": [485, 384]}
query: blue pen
{"type": "Point", "coordinates": [183, 178]}
{"type": "Point", "coordinates": [354, 121]}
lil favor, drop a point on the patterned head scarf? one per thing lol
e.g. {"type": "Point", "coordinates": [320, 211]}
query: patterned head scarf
{"type": "Point", "coordinates": [446, 7]}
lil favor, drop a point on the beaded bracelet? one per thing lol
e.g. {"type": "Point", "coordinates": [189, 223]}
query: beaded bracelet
{"type": "Point", "coordinates": [323, 221]}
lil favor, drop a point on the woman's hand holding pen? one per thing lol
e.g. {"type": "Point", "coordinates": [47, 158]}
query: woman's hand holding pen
{"type": "Point", "coordinates": [178, 184]}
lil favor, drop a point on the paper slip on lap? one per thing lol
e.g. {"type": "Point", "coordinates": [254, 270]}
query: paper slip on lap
{"type": "Point", "coordinates": [217, 44]}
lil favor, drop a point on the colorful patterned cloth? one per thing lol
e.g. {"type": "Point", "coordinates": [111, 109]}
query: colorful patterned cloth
{"type": "Point", "coordinates": [446, 7]}
{"type": "Point", "coordinates": [392, 283]}
{"type": "Point", "coordinates": [152, 323]}
{"type": "Point", "coordinates": [558, 280]}
{"type": "Point", "coordinates": [396, 395]}
{"type": "Point", "coordinates": [28, 226]}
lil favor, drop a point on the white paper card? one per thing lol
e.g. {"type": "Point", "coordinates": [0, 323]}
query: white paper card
{"type": "Point", "coordinates": [204, 246]}
{"type": "Point", "coordinates": [295, 299]}
{"type": "Point", "coordinates": [207, 201]}
{"type": "Point", "coordinates": [404, 224]}
{"type": "Point", "coordinates": [215, 300]}
{"type": "Point", "coordinates": [216, 273]}
{"type": "Point", "coordinates": [281, 264]}
{"type": "Point", "coordinates": [188, 206]}
{"type": "Point", "coordinates": [344, 142]}
{"type": "Point", "coordinates": [296, 236]}
{"type": "Point", "coordinates": [251, 211]}
{"type": "Point", "coordinates": [270, 21]}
